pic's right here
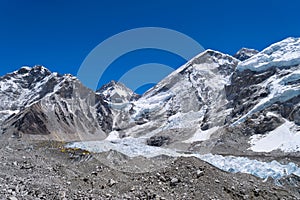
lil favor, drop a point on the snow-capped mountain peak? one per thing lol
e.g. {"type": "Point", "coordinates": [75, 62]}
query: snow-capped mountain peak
{"type": "Point", "coordinates": [208, 62]}
{"type": "Point", "coordinates": [116, 92]}
{"type": "Point", "coordinates": [37, 69]}
{"type": "Point", "coordinates": [25, 86]}
{"type": "Point", "coordinates": [38, 102]}
{"type": "Point", "coordinates": [245, 53]}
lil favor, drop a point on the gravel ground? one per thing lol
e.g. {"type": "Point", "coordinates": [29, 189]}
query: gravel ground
{"type": "Point", "coordinates": [44, 170]}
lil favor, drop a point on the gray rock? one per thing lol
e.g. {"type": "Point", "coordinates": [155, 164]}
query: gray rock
{"type": "Point", "coordinates": [245, 53]}
{"type": "Point", "coordinates": [199, 173]}
{"type": "Point", "coordinates": [158, 140]}
{"type": "Point", "coordinates": [174, 181]}
{"type": "Point", "coordinates": [111, 182]}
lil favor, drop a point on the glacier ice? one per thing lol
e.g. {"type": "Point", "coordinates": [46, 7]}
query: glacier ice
{"type": "Point", "coordinates": [131, 147]}
{"type": "Point", "coordinates": [134, 147]}
{"type": "Point", "coordinates": [257, 168]}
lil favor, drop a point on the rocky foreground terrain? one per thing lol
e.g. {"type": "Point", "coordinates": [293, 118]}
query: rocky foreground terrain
{"type": "Point", "coordinates": [43, 170]}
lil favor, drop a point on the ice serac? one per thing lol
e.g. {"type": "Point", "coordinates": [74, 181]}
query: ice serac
{"type": "Point", "coordinates": [271, 77]}
{"type": "Point", "coordinates": [189, 99]}
{"type": "Point", "coordinates": [51, 106]}
{"type": "Point", "coordinates": [245, 53]}
{"type": "Point", "coordinates": [281, 54]}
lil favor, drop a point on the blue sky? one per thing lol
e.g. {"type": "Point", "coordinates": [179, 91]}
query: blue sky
{"type": "Point", "coordinates": [60, 34]}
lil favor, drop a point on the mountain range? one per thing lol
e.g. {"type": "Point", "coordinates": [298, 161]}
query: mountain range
{"type": "Point", "coordinates": [214, 103]}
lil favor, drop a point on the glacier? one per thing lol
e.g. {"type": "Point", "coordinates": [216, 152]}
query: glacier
{"type": "Point", "coordinates": [257, 168]}
{"type": "Point", "coordinates": [134, 147]}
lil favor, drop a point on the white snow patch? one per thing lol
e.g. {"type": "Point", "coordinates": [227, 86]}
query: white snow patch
{"type": "Point", "coordinates": [271, 114]}
{"type": "Point", "coordinates": [201, 135]}
{"type": "Point", "coordinates": [26, 67]}
{"type": "Point", "coordinates": [284, 138]}
{"type": "Point", "coordinates": [114, 135]}
{"type": "Point", "coordinates": [184, 120]}
{"type": "Point", "coordinates": [150, 104]}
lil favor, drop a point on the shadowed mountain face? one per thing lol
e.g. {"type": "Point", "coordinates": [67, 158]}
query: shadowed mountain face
{"type": "Point", "coordinates": [215, 102]}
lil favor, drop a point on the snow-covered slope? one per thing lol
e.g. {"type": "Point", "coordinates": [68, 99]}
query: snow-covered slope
{"type": "Point", "coordinates": [264, 94]}
{"type": "Point", "coordinates": [281, 87]}
{"type": "Point", "coordinates": [274, 76]}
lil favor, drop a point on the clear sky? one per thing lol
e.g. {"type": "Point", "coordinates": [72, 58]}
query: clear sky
{"type": "Point", "coordinates": [59, 34]}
